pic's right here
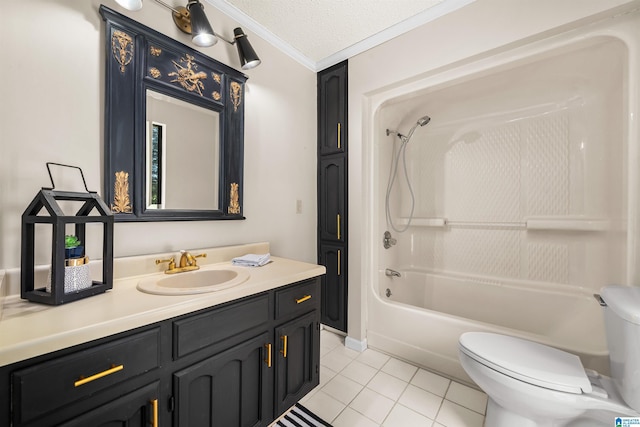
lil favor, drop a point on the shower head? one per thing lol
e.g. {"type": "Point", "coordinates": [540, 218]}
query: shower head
{"type": "Point", "coordinates": [423, 120]}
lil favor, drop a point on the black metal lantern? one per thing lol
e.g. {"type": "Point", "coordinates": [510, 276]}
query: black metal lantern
{"type": "Point", "coordinates": [45, 209]}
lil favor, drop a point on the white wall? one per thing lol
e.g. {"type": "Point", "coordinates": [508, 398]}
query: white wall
{"type": "Point", "coordinates": [480, 29]}
{"type": "Point", "coordinates": [51, 109]}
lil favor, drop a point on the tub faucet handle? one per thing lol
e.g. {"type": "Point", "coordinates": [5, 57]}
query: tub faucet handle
{"type": "Point", "coordinates": [388, 241]}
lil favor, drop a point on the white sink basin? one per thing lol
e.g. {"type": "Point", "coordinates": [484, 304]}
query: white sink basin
{"type": "Point", "coordinates": [208, 279]}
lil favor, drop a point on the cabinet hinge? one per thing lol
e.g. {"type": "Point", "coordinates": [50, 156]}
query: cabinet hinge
{"type": "Point", "coordinates": [172, 404]}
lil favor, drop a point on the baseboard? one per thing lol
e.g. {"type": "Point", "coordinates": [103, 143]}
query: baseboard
{"type": "Point", "coordinates": [355, 344]}
{"type": "Point", "coordinates": [332, 330]}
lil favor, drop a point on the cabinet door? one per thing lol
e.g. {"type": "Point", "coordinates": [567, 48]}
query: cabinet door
{"type": "Point", "coordinates": [65, 381]}
{"type": "Point", "coordinates": [332, 105]}
{"type": "Point", "coordinates": [298, 360]}
{"type": "Point", "coordinates": [136, 409]}
{"type": "Point", "coordinates": [334, 287]}
{"type": "Point", "coordinates": [230, 389]}
{"type": "Point", "coordinates": [331, 203]}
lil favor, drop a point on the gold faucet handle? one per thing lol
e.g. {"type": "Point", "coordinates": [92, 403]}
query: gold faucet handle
{"type": "Point", "coordinates": [171, 261]}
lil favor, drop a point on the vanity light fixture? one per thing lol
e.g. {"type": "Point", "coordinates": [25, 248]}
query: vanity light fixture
{"type": "Point", "coordinates": [248, 57]}
{"type": "Point", "coordinates": [130, 4]}
{"type": "Point", "coordinates": [201, 32]}
{"type": "Point", "coordinates": [192, 20]}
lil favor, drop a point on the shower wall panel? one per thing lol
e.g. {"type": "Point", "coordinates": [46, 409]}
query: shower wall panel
{"type": "Point", "coordinates": [526, 166]}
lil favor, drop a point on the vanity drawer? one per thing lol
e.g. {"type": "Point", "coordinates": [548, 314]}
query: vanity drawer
{"type": "Point", "coordinates": [211, 327]}
{"type": "Point", "coordinates": [297, 299]}
{"type": "Point", "coordinates": [51, 385]}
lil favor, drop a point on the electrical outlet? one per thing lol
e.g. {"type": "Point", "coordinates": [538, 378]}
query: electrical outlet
{"type": "Point", "coordinates": [298, 206]}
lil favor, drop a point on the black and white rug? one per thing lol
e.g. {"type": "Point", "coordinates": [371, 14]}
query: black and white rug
{"type": "Point", "coordinates": [299, 416]}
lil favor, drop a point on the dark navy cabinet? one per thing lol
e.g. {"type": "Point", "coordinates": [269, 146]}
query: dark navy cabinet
{"type": "Point", "coordinates": [333, 287]}
{"type": "Point", "coordinates": [230, 388]}
{"type": "Point", "coordinates": [297, 367]}
{"type": "Point", "coordinates": [297, 341]}
{"type": "Point", "coordinates": [332, 201]}
{"type": "Point", "coordinates": [138, 408]}
{"type": "Point", "coordinates": [332, 110]}
{"type": "Point", "coordinates": [333, 193]}
{"type": "Point", "coordinates": [241, 364]}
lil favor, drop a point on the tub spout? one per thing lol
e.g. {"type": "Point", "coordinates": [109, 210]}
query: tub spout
{"type": "Point", "coordinates": [391, 273]}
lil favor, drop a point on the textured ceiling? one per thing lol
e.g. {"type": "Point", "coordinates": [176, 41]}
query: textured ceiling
{"type": "Point", "coordinates": [320, 33]}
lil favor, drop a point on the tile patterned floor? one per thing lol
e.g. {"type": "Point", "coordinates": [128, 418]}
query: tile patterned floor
{"type": "Point", "coordinates": [372, 389]}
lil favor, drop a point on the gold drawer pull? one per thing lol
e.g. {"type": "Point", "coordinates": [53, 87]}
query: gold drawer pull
{"type": "Point", "coordinates": [284, 346]}
{"type": "Point", "coordinates": [99, 375]}
{"type": "Point", "coordinates": [154, 421]}
{"type": "Point", "coordinates": [339, 136]}
{"type": "Point", "coordinates": [268, 359]}
{"type": "Point", "coordinates": [303, 299]}
{"type": "Point", "coordinates": [338, 221]}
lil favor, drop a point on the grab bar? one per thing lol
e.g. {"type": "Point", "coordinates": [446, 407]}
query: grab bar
{"type": "Point", "coordinates": [552, 223]}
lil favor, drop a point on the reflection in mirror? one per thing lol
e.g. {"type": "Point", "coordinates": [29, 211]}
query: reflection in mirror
{"type": "Point", "coordinates": [182, 154]}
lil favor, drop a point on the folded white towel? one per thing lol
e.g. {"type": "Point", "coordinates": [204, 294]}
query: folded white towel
{"type": "Point", "coordinates": [252, 260]}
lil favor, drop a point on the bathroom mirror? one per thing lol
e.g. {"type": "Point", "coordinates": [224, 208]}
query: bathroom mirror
{"type": "Point", "coordinates": [174, 128]}
{"type": "Point", "coordinates": [182, 152]}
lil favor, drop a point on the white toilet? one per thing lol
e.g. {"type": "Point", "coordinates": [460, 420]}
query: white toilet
{"type": "Point", "coordinates": [530, 384]}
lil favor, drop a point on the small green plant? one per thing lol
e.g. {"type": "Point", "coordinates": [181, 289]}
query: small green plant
{"type": "Point", "coordinates": [71, 242]}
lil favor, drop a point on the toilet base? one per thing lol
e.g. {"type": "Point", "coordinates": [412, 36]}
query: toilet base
{"type": "Point", "coordinates": [497, 416]}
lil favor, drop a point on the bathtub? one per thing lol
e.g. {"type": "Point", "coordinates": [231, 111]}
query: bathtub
{"type": "Point", "coordinates": [524, 184]}
{"type": "Point", "coordinates": [444, 306]}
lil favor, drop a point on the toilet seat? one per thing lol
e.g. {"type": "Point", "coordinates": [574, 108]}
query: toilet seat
{"type": "Point", "coordinates": [527, 361]}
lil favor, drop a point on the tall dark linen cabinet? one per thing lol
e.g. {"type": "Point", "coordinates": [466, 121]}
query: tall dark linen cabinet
{"type": "Point", "coordinates": [332, 193]}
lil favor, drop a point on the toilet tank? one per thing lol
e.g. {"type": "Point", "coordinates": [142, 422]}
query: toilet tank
{"type": "Point", "coordinates": [622, 325]}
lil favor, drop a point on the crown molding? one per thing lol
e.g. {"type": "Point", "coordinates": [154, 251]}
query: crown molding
{"type": "Point", "coordinates": [252, 25]}
{"type": "Point", "coordinates": [396, 30]}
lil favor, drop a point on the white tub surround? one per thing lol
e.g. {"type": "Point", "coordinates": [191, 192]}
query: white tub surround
{"type": "Point", "coordinates": [525, 184]}
{"type": "Point", "coordinates": [2, 289]}
{"type": "Point", "coordinates": [29, 329]}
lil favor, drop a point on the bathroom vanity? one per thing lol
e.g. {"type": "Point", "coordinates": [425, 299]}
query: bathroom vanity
{"type": "Point", "coordinates": [239, 356]}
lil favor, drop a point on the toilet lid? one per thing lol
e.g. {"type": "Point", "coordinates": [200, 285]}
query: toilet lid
{"type": "Point", "coordinates": [624, 301]}
{"type": "Point", "coordinates": [527, 361]}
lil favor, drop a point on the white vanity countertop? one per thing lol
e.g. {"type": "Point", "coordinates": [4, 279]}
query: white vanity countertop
{"type": "Point", "coordinates": [30, 329]}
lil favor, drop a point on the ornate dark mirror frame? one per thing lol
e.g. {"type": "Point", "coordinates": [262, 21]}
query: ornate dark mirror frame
{"type": "Point", "coordinates": [139, 58]}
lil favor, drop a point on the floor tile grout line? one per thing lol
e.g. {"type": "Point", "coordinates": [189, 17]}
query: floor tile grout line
{"type": "Point", "coordinates": [378, 370]}
{"type": "Point", "coordinates": [406, 407]}
{"type": "Point", "coordinates": [396, 402]}
{"type": "Point", "coordinates": [443, 399]}
{"type": "Point", "coordinates": [363, 387]}
{"type": "Point", "coordinates": [440, 407]}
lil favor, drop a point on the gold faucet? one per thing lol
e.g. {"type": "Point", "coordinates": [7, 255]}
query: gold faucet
{"type": "Point", "coordinates": [187, 263]}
